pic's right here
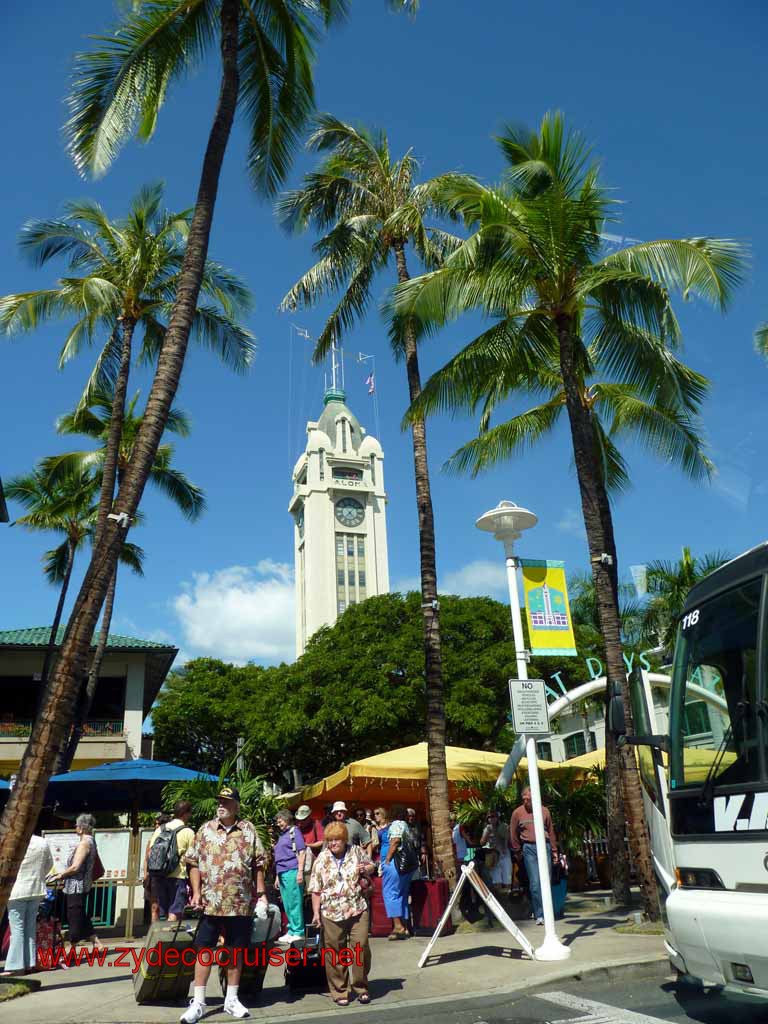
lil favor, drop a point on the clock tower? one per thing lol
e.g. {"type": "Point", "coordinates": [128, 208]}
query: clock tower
{"type": "Point", "coordinates": [339, 515]}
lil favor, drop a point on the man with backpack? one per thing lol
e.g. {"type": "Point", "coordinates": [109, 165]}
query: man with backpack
{"type": "Point", "coordinates": [166, 862]}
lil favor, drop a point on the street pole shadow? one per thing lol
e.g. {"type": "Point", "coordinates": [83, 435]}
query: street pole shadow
{"type": "Point", "coordinates": [457, 955]}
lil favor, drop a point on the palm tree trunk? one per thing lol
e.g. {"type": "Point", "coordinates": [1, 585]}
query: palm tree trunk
{"type": "Point", "coordinates": [602, 550]}
{"type": "Point", "coordinates": [68, 750]}
{"type": "Point", "coordinates": [616, 818]}
{"type": "Point", "coordinates": [115, 434]}
{"type": "Point", "coordinates": [56, 717]}
{"type": "Point", "coordinates": [51, 649]}
{"type": "Point", "coordinates": [438, 772]}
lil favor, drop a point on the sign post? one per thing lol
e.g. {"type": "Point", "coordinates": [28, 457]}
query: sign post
{"type": "Point", "coordinates": [470, 875]}
{"type": "Point", "coordinates": [506, 522]}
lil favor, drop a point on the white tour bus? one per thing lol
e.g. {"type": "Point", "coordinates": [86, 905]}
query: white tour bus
{"type": "Point", "coordinates": [707, 800]}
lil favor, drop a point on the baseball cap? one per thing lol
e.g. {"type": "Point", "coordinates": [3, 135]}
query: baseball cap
{"type": "Point", "coordinates": [229, 793]}
{"type": "Point", "coordinates": [302, 812]}
{"type": "Point", "coordinates": [338, 806]}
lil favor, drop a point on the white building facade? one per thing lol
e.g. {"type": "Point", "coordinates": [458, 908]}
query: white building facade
{"type": "Point", "coordinates": [340, 524]}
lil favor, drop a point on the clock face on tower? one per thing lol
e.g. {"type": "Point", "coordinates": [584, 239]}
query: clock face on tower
{"type": "Point", "coordinates": [349, 512]}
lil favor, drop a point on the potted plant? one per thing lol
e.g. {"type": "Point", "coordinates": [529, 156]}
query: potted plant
{"type": "Point", "coordinates": [577, 806]}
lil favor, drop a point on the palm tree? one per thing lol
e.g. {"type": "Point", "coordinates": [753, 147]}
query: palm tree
{"type": "Point", "coordinates": [536, 264]}
{"type": "Point", "coordinates": [95, 422]}
{"type": "Point", "coordinates": [122, 276]}
{"type": "Point", "coordinates": [668, 587]}
{"type": "Point", "coordinates": [267, 52]}
{"type": "Point", "coordinates": [67, 506]}
{"type": "Point", "coordinates": [370, 208]}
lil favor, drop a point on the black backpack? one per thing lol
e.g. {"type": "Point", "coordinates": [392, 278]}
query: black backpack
{"type": "Point", "coordinates": [164, 852]}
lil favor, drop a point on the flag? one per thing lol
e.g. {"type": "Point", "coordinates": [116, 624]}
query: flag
{"type": "Point", "coordinates": [371, 384]}
{"type": "Point", "coordinates": [548, 611]}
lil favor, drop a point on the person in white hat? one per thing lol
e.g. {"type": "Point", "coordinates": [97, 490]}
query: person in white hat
{"type": "Point", "coordinates": [358, 836]}
{"type": "Point", "coordinates": [313, 835]}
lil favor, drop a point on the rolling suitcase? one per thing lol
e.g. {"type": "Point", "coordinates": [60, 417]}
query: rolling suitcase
{"type": "Point", "coordinates": [428, 902]}
{"type": "Point", "coordinates": [381, 925]}
{"type": "Point", "coordinates": [263, 933]}
{"type": "Point", "coordinates": [309, 973]}
{"type": "Point", "coordinates": [157, 980]}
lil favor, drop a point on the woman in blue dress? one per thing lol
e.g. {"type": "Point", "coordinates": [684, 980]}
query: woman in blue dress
{"type": "Point", "coordinates": [395, 887]}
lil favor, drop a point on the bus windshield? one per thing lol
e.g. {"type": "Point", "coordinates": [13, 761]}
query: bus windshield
{"type": "Point", "coordinates": [717, 741]}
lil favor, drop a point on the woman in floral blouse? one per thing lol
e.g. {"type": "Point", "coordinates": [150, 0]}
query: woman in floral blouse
{"type": "Point", "coordinates": [338, 903]}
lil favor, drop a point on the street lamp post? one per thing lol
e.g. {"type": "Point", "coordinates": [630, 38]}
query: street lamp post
{"type": "Point", "coordinates": [506, 522]}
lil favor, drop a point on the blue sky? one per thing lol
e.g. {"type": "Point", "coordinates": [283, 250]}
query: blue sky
{"type": "Point", "coordinates": [672, 98]}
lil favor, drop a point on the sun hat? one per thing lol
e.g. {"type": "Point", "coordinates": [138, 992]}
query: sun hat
{"type": "Point", "coordinates": [338, 806]}
{"type": "Point", "coordinates": [302, 812]}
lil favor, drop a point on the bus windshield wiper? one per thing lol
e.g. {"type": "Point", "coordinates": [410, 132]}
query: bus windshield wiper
{"type": "Point", "coordinates": [708, 787]}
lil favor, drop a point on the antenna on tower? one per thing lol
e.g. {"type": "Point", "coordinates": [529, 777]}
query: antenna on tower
{"type": "Point", "coordinates": [337, 363]}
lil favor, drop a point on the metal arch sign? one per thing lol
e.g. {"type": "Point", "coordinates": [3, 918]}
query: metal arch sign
{"type": "Point", "coordinates": [530, 710]}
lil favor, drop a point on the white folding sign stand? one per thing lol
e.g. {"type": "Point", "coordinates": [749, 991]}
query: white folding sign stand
{"type": "Point", "coordinates": [468, 874]}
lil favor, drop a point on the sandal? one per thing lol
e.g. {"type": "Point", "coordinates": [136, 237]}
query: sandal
{"type": "Point", "coordinates": [364, 999]}
{"type": "Point", "coordinates": [341, 1002]}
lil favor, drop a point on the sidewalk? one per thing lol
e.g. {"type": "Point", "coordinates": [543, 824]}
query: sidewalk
{"type": "Point", "coordinates": [462, 965]}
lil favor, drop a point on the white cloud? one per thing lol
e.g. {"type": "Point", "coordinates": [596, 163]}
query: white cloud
{"type": "Point", "coordinates": [475, 579]}
{"type": "Point", "coordinates": [571, 522]}
{"type": "Point", "coordinates": [239, 613]}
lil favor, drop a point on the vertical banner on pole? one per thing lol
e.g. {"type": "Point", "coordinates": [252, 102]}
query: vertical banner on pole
{"type": "Point", "coordinates": [550, 626]}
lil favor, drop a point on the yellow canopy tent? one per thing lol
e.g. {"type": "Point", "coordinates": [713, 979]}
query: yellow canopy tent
{"type": "Point", "coordinates": [594, 759]}
{"type": "Point", "coordinates": [400, 776]}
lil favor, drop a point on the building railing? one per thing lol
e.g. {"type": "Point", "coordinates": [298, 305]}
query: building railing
{"type": "Point", "coordinates": [100, 727]}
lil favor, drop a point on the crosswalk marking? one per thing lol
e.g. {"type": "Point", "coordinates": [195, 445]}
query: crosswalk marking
{"type": "Point", "coordinates": [596, 1013]}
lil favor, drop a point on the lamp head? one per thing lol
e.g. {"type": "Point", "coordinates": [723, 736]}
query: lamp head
{"type": "Point", "coordinates": [507, 521]}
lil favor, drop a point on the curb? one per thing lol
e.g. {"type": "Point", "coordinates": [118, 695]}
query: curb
{"type": "Point", "coordinates": [655, 966]}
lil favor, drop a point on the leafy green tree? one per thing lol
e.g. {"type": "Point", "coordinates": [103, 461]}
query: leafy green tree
{"type": "Point", "coordinates": [266, 53]}
{"type": "Point", "coordinates": [536, 264]}
{"type": "Point", "coordinates": [95, 421]}
{"type": "Point", "coordinates": [65, 506]}
{"type": "Point", "coordinates": [668, 587]}
{"type": "Point", "coordinates": [369, 209]}
{"type": "Point", "coordinates": [359, 684]}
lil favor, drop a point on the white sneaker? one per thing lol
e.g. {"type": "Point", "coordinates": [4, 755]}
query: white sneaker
{"type": "Point", "coordinates": [539, 920]}
{"type": "Point", "coordinates": [294, 938]}
{"type": "Point", "coordinates": [236, 1009]}
{"type": "Point", "coordinates": [194, 1013]}
{"type": "Point", "coordinates": [285, 939]}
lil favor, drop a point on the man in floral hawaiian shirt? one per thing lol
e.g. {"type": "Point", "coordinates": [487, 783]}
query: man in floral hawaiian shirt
{"type": "Point", "coordinates": [226, 873]}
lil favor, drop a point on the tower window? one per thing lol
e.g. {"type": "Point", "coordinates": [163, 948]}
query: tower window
{"type": "Point", "coordinates": [340, 577]}
{"type": "Point", "coordinates": [351, 545]}
{"type": "Point", "coordinates": [340, 545]}
{"type": "Point", "coordinates": [351, 578]}
{"type": "Point", "coordinates": [361, 547]}
{"type": "Point", "coordinates": [341, 606]}
{"type": "Point", "coordinates": [343, 425]}
{"type": "Point", "coordinates": [373, 469]}
{"type": "Point", "coordinates": [321, 453]}
{"type": "Point", "coordinates": [361, 577]}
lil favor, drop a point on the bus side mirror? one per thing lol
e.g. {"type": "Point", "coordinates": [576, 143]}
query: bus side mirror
{"type": "Point", "coordinates": [616, 721]}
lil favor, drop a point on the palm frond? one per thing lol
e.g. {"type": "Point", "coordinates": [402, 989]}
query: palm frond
{"type": "Point", "coordinates": [230, 341]}
{"type": "Point", "coordinates": [500, 443]}
{"type": "Point", "coordinates": [666, 432]}
{"type": "Point", "coordinates": [186, 496]}
{"type": "Point", "coordinates": [120, 86]}
{"type": "Point", "coordinates": [276, 87]}
{"type": "Point", "coordinates": [761, 339]}
{"type": "Point", "coordinates": [711, 268]}
{"type": "Point", "coordinates": [133, 556]}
